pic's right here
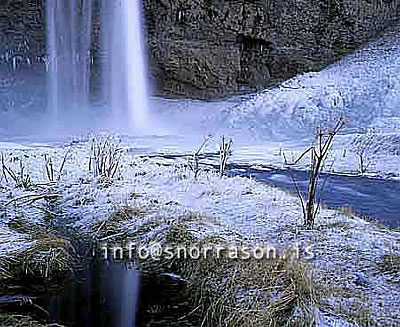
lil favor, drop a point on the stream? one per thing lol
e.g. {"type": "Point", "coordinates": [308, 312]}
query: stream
{"type": "Point", "coordinates": [372, 199]}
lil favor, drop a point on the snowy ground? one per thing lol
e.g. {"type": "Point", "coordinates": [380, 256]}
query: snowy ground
{"type": "Point", "coordinates": [347, 251]}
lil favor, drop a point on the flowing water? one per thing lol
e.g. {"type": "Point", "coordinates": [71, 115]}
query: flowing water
{"type": "Point", "coordinates": [69, 31]}
{"type": "Point", "coordinates": [374, 199]}
{"type": "Point", "coordinates": [124, 78]}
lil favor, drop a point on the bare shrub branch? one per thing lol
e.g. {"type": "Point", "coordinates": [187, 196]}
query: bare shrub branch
{"type": "Point", "coordinates": [224, 154]}
{"type": "Point", "coordinates": [318, 154]}
{"type": "Point", "coordinates": [193, 163]}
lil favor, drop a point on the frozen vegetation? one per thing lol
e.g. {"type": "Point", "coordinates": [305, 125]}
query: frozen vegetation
{"type": "Point", "coordinates": [352, 279]}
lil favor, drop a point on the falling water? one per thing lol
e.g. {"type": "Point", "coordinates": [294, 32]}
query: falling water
{"type": "Point", "coordinates": [124, 81]}
{"type": "Point", "coordinates": [69, 30]}
{"type": "Point", "coordinates": [123, 69]}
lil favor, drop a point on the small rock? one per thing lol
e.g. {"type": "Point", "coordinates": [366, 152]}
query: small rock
{"type": "Point", "coordinates": [361, 279]}
{"type": "Point", "coordinates": [173, 276]}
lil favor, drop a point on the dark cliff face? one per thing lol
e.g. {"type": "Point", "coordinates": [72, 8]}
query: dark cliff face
{"type": "Point", "coordinates": [22, 49]}
{"type": "Point", "coordinates": [207, 48]}
{"type": "Point", "coordinates": [22, 33]}
{"type": "Point", "coordinates": [212, 48]}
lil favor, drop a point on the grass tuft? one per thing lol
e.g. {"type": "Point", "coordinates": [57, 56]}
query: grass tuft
{"type": "Point", "coordinates": [19, 175]}
{"type": "Point", "coordinates": [389, 264]}
{"type": "Point", "coordinates": [105, 158]}
{"type": "Point", "coordinates": [17, 320]}
{"type": "Point", "coordinates": [226, 292]}
{"type": "Point", "coordinates": [47, 256]}
{"type": "Point", "coordinates": [126, 212]}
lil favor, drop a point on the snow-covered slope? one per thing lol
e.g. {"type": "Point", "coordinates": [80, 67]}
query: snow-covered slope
{"type": "Point", "coordinates": [363, 87]}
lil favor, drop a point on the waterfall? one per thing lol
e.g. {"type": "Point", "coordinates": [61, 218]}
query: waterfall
{"type": "Point", "coordinates": [125, 75]}
{"type": "Point", "coordinates": [69, 30]}
{"type": "Point", "coordinates": [123, 68]}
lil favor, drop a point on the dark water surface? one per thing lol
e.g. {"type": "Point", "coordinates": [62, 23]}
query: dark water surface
{"type": "Point", "coordinates": [109, 294]}
{"type": "Point", "coordinates": [374, 199]}
{"type": "Point", "coordinates": [114, 294]}
{"type": "Point", "coordinates": [104, 295]}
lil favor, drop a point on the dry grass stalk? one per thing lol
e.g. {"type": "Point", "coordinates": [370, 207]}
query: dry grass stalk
{"type": "Point", "coordinates": [363, 163]}
{"type": "Point", "coordinates": [126, 212]}
{"type": "Point", "coordinates": [28, 199]}
{"type": "Point", "coordinates": [21, 177]}
{"type": "Point", "coordinates": [224, 154]}
{"type": "Point", "coordinates": [193, 163]}
{"type": "Point", "coordinates": [390, 264]}
{"type": "Point", "coordinates": [348, 211]}
{"type": "Point", "coordinates": [365, 148]}
{"type": "Point", "coordinates": [114, 226]}
{"type": "Point", "coordinates": [105, 158]}
{"type": "Point", "coordinates": [253, 292]}
{"type": "Point", "coordinates": [52, 175]}
{"type": "Point", "coordinates": [49, 256]}
{"type": "Point", "coordinates": [17, 320]}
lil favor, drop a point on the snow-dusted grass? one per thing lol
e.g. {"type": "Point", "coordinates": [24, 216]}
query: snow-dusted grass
{"type": "Point", "coordinates": [153, 200]}
{"type": "Point", "coordinates": [18, 320]}
{"type": "Point", "coordinates": [348, 252]}
{"type": "Point", "coordinates": [28, 251]}
{"type": "Point", "coordinates": [11, 244]}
